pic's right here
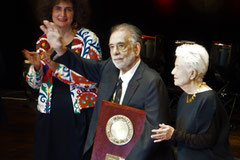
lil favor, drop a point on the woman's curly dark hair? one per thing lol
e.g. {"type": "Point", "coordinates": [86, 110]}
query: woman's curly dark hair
{"type": "Point", "coordinates": [81, 11]}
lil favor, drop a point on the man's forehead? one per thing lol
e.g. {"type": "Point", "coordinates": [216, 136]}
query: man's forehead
{"type": "Point", "coordinates": [119, 37]}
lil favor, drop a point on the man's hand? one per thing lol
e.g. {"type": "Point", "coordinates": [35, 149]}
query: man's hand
{"type": "Point", "coordinates": [54, 37]}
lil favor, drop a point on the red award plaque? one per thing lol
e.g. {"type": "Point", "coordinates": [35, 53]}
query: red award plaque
{"type": "Point", "coordinates": [118, 129]}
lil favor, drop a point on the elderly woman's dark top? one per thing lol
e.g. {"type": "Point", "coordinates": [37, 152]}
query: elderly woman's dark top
{"type": "Point", "coordinates": [202, 128]}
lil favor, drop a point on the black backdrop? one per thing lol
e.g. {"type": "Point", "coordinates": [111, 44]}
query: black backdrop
{"type": "Point", "coordinates": [197, 20]}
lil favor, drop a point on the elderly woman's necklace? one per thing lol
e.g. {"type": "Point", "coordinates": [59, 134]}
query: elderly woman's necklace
{"type": "Point", "coordinates": [189, 100]}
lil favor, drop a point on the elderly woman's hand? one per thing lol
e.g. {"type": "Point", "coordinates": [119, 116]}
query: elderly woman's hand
{"type": "Point", "coordinates": [163, 133]}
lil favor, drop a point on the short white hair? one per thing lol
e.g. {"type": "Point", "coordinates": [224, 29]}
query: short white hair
{"type": "Point", "coordinates": [195, 56]}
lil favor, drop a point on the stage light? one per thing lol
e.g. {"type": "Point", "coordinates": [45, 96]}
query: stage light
{"type": "Point", "coordinates": [164, 2]}
{"type": "Point", "coordinates": [165, 6]}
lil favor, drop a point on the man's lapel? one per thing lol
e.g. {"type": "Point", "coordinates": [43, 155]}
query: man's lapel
{"type": "Point", "coordinates": [111, 85]}
{"type": "Point", "coordinates": [133, 84]}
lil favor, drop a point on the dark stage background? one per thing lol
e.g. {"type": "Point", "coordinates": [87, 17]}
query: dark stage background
{"type": "Point", "coordinates": [202, 21]}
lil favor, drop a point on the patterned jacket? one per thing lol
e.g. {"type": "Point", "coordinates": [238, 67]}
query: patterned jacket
{"type": "Point", "coordinates": [83, 92]}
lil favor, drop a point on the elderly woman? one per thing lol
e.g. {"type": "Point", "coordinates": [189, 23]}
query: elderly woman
{"type": "Point", "coordinates": [202, 127]}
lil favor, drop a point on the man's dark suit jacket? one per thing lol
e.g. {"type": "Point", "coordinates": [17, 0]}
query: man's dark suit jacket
{"type": "Point", "coordinates": [145, 91]}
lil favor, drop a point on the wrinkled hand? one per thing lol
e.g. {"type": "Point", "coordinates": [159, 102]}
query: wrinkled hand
{"type": "Point", "coordinates": [33, 58]}
{"type": "Point", "coordinates": [163, 133]}
{"type": "Point", "coordinates": [54, 37]}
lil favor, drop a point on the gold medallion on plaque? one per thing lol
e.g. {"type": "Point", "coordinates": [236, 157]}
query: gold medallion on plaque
{"type": "Point", "coordinates": [119, 129]}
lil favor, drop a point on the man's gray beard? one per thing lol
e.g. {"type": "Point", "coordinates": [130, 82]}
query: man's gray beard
{"type": "Point", "coordinates": [127, 62]}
